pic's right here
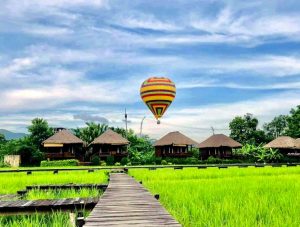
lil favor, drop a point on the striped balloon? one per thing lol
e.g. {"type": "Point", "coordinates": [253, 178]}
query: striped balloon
{"type": "Point", "coordinates": [158, 94]}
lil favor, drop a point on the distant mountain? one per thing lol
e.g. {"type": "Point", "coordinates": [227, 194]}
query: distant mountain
{"type": "Point", "coordinates": [11, 135]}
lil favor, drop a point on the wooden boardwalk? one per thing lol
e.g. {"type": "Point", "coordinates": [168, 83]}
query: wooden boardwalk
{"type": "Point", "coordinates": [127, 203]}
{"type": "Point", "coordinates": [46, 205]}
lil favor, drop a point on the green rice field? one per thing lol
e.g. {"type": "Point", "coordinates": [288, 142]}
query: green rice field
{"type": "Point", "coordinates": [227, 197]}
{"type": "Point", "coordinates": [12, 182]}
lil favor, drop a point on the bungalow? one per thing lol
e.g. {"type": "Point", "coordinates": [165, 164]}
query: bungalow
{"type": "Point", "coordinates": [286, 145]}
{"type": "Point", "coordinates": [175, 145]}
{"type": "Point", "coordinates": [218, 145]}
{"type": "Point", "coordinates": [63, 145]}
{"type": "Point", "coordinates": [110, 143]}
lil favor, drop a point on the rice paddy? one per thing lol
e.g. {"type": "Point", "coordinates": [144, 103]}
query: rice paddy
{"type": "Point", "coordinates": [12, 182]}
{"type": "Point", "coordinates": [227, 197]}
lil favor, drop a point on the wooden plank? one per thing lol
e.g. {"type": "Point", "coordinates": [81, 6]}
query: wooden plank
{"type": "Point", "coordinates": [127, 203]}
{"type": "Point", "coordinates": [46, 205]}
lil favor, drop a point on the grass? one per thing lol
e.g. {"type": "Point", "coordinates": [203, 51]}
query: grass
{"type": "Point", "coordinates": [227, 197]}
{"type": "Point", "coordinates": [55, 219]}
{"type": "Point", "coordinates": [12, 182]}
{"type": "Point", "coordinates": [63, 193]}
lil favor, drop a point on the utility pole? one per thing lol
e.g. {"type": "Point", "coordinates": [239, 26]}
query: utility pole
{"type": "Point", "coordinates": [213, 130]}
{"type": "Point", "coordinates": [126, 122]}
{"type": "Point", "coordinates": [141, 128]}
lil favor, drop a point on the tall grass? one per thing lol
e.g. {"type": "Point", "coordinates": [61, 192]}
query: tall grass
{"type": "Point", "coordinates": [12, 182]}
{"type": "Point", "coordinates": [55, 219]}
{"type": "Point", "coordinates": [63, 193]}
{"type": "Point", "coordinates": [228, 197]}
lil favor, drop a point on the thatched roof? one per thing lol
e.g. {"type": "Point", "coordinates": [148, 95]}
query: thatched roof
{"type": "Point", "coordinates": [175, 138]}
{"type": "Point", "coordinates": [63, 137]}
{"type": "Point", "coordinates": [284, 142]}
{"type": "Point", "coordinates": [219, 140]}
{"type": "Point", "coordinates": [110, 137]}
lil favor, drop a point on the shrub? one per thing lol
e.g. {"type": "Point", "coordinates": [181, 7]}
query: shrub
{"type": "Point", "coordinates": [164, 162]}
{"type": "Point", "coordinates": [68, 162]}
{"type": "Point", "coordinates": [117, 164]}
{"type": "Point", "coordinates": [102, 163]}
{"type": "Point", "coordinates": [192, 160]}
{"type": "Point", "coordinates": [124, 161]}
{"type": "Point", "coordinates": [95, 160]}
{"type": "Point", "coordinates": [170, 163]}
{"type": "Point", "coordinates": [110, 160]}
{"type": "Point", "coordinates": [213, 160]}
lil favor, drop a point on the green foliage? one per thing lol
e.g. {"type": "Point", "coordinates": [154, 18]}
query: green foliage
{"type": "Point", "coordinates": [95, 160]}
{"type": "Point", "coordinates": [244, 130]}
{"type": "Point", "coordinates": [192, 160]}
{"type": "Point", "coordinates": [2, 138]}
{"type": "Point", "coordinates": [90, 132]}
{"type": "Point", "coordinates": [68, 162]}
{"type": "Point", "coordinates": [39, 131]}
{"type": "Point", "coordinates": [124, 161]}
{"type": "Point", "coordinates": [102, 163]}
{"type": "Point", "coordinates": [110, 160]}
{"type": "Point", "coordinates": [164, 162]}
{"type": "Point", "coordinates": [30, 154]}
{"type": "Point", "coordinates": [277, 127]}
{"type": "Point", "coordinates": [294, 123]}
{"type": "Point", "coordinates": [213, 160]}
{"type": "Point", "coordinates": [258, 153]}
{"type": "Point", "coordinates": [117, 164]}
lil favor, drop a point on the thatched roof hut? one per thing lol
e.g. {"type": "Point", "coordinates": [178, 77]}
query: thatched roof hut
{"type": "Point", "coordinates": [63, 145]}
{"type": "Point", "coordinates": [110, 143]}
{"type": "Point", "coordinates": [110, 137]}
{"type": "Point", "coordinates": [282, 142]}
{"type": "Point", "coordinates": [218, 145]}
{"type": "Point", "coordinates": [62, 137]}
{"type": "Point", "coordinates": [174, 144]}
{"type": "Point", "coordinates": [175, 138]}
{"type": "Point", "coordinates": [219, 140]}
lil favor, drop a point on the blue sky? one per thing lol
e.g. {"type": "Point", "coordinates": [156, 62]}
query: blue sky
{"type": "Point", "coordinates": [73, 61]}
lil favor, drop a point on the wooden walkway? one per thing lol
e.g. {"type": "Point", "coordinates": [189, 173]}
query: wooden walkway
{"type": "Point", "coordinates": [127, 203]}
{"type": "Point", "coordinates": [46, 205]}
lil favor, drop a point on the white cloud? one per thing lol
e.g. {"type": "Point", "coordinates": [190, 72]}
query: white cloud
{"type": "Point", "coordinates": [197, 121]}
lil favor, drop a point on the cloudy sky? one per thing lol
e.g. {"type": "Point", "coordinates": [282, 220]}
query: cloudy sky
{"type": "Point", "coordinates": [75, 61]}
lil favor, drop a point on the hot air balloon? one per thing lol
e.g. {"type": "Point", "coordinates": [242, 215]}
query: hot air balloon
{"type": "Point", "coordinates": [158, 94]}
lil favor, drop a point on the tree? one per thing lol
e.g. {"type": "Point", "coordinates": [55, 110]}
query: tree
{"type": "Point", "coordinates": [91, 131]}
{"type": "Point", "coordinates": [294, 123]}
{"type": "Point", "coordinates": [244, 130]}
{"type": "Point", "coordinates": [277, 127]}
{"type": "Point", "coordinates": [2, 138]}
{"type": "Point", "coordinates": [39, 131]}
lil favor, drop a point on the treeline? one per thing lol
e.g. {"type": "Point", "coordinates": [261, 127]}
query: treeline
{"type": "Point", "coordinates": [244, 129]}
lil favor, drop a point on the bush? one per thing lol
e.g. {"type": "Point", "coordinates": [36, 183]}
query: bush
{"type": "Point", "coordinates": [213, 160]}
{"type": "Point", "coordinates": [124, 161]}
{"type": "Point", "coordinates": [192, 160]}
{"type": "Point", "coordinates": [95, 160]}
{"type": "Point", "coordinates": [117, 164]}
{"type": "Point", "coordinates": [164, 162]}
{"type": "Point", "coordinates": [110, 160]}
{"type": "Point", "coordinates": [68, 162]}
{"type": "Point", "coordinates": [102, 163]}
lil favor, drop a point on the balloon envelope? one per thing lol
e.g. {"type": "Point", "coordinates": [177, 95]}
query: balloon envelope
{"type": "Point", "coordinates": [158, 94]}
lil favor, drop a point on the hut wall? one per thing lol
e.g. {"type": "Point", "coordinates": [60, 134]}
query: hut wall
{"type": "Point", "coordinates": [221, 152]}
{"type": "Point", "coordinates": [105, 150]}
{"type": "Point", "coordinates": [68, 151]}
{"type": "Point", "coordinates": [172, 151]}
